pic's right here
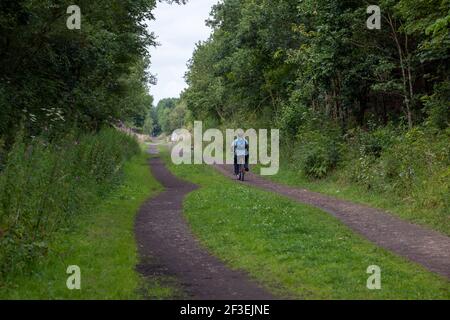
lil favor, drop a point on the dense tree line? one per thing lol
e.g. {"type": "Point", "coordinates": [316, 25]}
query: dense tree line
{"type": "Point", "coordinates": [53, 78]}
{"type": "Point", "coordinates": [365, 107]}
{"type": "Point", "coordinates": [168, 115]}
{"type": "Point", "coordinates": [277, 62]}
{"type": "Point", "coordinates": [59, 89]}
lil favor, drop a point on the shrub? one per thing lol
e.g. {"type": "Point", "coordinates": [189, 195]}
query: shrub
{"type": "Point", "coordinates": [413, 164]}
{"type": "Point", "coordinates": [318, 153]}
{"type": "Point", "coordinates": [437, 106]}
{"type": "Point", "coordinates": [364, 150]}
{"type": "Point", "coordinates": [374, 142]}
{"type": "Point", "coordinates": [44, 184]}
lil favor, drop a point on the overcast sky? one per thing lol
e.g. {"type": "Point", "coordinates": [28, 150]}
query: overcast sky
{"type": "Point", "coordinates": [178, 28]}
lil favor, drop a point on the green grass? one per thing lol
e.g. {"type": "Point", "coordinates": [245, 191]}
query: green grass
{"type": "Point", "coordinates": [295, 250]}
{"type": "Point", "coordinates": [101, 242]}
{"type": "Point", "coordinates": [404, 208]}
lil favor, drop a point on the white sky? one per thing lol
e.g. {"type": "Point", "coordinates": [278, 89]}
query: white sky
{"type": "Point", "coordinates": [177, 28]}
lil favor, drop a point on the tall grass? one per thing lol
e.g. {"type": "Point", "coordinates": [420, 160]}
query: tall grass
{"type": "Point", "coordinates": [43, 185]}
{"type": "Point", "coordinates": [386, 164]}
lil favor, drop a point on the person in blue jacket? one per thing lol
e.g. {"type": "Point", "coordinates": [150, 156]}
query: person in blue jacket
{"type": "Point", "coordinates": [240, 148]}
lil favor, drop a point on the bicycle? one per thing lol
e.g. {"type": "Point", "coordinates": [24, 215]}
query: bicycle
{"type": "Point", "coordinates": [241, 164]}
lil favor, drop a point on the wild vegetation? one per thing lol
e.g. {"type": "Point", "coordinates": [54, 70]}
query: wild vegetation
{"type": "Point", "coordinates": [44, 186]}
{"type": "Point", "coordinates": [294, 250]}
{"type": "Point", "coordinates": [61, 93]}
{"type": "Point", "coordinates": [369, 108]}
{"type": "Point", "coordinates": [99, 238]}
{"type": "Point", "coordinates": [283, 62]}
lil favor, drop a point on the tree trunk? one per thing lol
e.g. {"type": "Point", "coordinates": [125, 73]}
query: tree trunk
{"type": "Point", "coordinates": [406, 92]}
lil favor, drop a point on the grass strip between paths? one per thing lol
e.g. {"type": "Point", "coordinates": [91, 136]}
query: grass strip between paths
{"type": "Point", "coordinates": [295, 250]}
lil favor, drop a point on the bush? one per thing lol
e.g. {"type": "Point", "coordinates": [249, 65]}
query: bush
{"type": "Point", "coordinates": [318, 153]}
{"type": "Point", "coordinates": [416, 163]}
{"type": "Point", "coordinates": [44, 184]}
{"type": "Point", "coordinates": [364, 150]}
{"type": "Point", "coordinates": [374, 142]}
{"type": "Point", "coordinates": [437, 106]}
{"type": "Point", "coordinates": [413, 164]}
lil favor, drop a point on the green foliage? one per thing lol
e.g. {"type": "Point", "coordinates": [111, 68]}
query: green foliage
{"type": "Point", "coordinates": [412, 164]}
{"type": "Point", "coordinates": [294, 250]}
{"type": "Point", "coordinates": [172, 114]}
{"type": "Point", "coordinates": [149, 125]}
{"type": "Point", "coordinates": [177, 117]}
{"type": "Point", "coordinates": [240, 72]}
{"type": "Point", "coordinates": [373, 142]}
{"type": "Point", "coordinates": [274, 59]}
{"type": "Point", "coordinates": [52, 78]}
{"type": "Point", "coordinates": [437, 106]}
{"type": "Point", "coordinates": [2, 153]}
{"type": "Point", "coordinates": [317, 148]}
{"type": "Point", "coordinates": [290, 118]}
{"type": "Point", "coordinates": [370, 107]}
{"type": "Point", "coordinates": [317, 154]}
{"type": "Point", "coordinates": [163, 110]}
{"type": "Point", "coordinates": [101, 241]}
{"type": "Point", "coordinates": [44, 185]}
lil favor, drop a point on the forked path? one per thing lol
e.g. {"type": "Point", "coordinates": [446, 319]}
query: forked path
{"type": "Point", "coordinates": [419, 244]}
{"type": "Point", "coordinates": [168, 248]}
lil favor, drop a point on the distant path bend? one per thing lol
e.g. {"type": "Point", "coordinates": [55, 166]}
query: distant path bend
{"type": "Point", "coordinates": [167, 247]}
{"type": "Point", "coordinates": [429, 248]}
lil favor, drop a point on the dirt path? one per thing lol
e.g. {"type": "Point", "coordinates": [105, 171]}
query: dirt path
{"type": "Point", "coordinates": [168, 248]}
{"type": "Point", "coordinates": [421, 245]}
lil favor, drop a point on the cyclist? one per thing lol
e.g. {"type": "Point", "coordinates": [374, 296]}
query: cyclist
{"type": "Point", "coordinates": [240, 148]}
